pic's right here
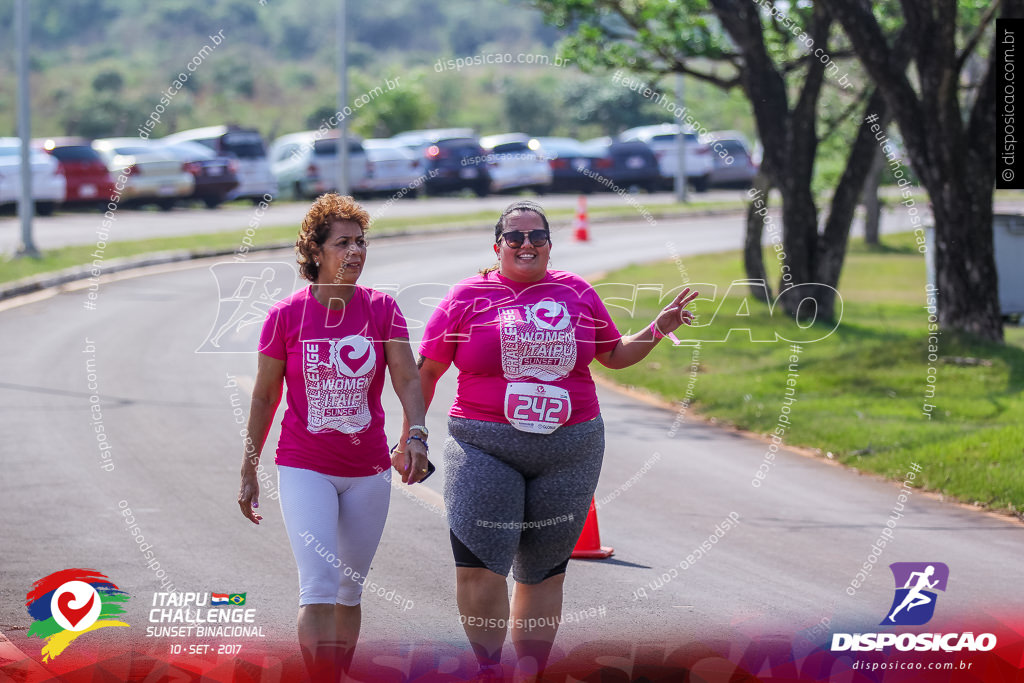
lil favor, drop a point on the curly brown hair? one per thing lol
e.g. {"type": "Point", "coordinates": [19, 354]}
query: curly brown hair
{"type": "Point", "coordinates": [327, 209]}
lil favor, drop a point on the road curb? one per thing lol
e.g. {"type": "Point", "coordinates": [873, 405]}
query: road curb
{"type": "Point", "coordinates": [36, 283]}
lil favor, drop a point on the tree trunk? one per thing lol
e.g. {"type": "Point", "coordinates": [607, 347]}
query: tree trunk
{"type": "Point", "coordinates": [965, 260]}
{"type": "Point", "coordinates": [753, 254]}
{"type": "Point", "coordinates": [873, 207]}
{"type": "Point", "coordinates": [800, 242]}
{"type": "Point", "coordinates": [834, 240]}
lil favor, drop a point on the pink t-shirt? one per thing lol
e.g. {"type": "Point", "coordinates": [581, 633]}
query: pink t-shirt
{"type": "Point", "coordinates": [522, 348]}
{"type": "Point", "coordinates": [334, 371]}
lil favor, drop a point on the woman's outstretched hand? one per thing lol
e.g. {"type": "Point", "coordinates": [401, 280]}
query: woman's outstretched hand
{"type": "Point", "coordinates": [675, 314]}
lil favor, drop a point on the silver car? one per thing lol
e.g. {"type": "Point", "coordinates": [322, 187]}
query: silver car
{"type": "Point", "coordinates": [733, 161]}
{"type": "Point", "coordinates": [394, 168]}
{"type": "Point", "coordinates": [154, 176]}
{"type": "Point", "coordinates": [245, 145]}
{"type": "Point", "coordinates": [662, 141]}
{"type": "Point", "coordinates": [306, 164]}
{"type": "Point", "coordinates": [516, 162]}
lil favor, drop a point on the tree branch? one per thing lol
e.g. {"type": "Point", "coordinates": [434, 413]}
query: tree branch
{"type": "Point", "coordinates": [835, 123]}
{"type": "Point", "coordinates": [972, 42]}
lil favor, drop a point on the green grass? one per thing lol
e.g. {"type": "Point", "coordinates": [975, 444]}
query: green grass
{"type": "Point", "coordinates": [860, 391]}
{"type": "Point", "coordinates": [66, 257]}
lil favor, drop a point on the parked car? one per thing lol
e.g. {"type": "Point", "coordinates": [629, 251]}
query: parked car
{"type": "Point", "coordinates": [49, 187]}
{"type": "Point", "coordinates": [255, 177]}
{"type": "Point", "coordinates": [568, 159]}
{"type": "Point", "coordinates": [215, 176]}
{"type": "Point", "coordinates": [306, 164]}
{"type": "Point", "coordinates": [514, 163]}
{"type": "Point", "coordinates": [662, 141]}
{"type": "Point", "coordinates": [633, 164]}
{"type": "Point", "coordinates": [154, 176]}
{"type": "Point", "coordinates": [453, 158]}
{"type": "Point", "coordinates": [395, 168]}
{"type": "Point", "coordinates": [731, 146]}
{"type": "Point", "coordinates": [88, 180]}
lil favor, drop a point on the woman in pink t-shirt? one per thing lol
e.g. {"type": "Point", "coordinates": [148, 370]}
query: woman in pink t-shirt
{"type": "Point", "coordinates": [331, 342]}
{"type": "Point", "coordinates": [526, 439]}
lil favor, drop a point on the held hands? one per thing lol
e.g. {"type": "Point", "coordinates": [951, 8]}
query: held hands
{"type": "Point", "coordinates": [675, 314]}
{"type": "Point", "coordinates": [249, 494]}
{"type": "Point", "coordinates": [410, 460]}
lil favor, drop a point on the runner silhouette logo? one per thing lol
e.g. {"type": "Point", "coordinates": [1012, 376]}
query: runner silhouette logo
{"type": "Point", "coordinates": [916, 583]}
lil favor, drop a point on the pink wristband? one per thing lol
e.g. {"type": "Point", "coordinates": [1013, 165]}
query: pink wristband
{"type": "Point", "coordinates": [658, 335]}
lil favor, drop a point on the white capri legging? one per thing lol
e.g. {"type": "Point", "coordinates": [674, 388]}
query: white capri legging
{"type": "Point", "coordinates": [334, 525]}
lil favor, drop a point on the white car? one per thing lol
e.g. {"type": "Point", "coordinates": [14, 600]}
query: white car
{"type": "Point", "coordinates": [395, 168]}
{"type": "Point", "coordinates": [245, 145]}
{"type": "Point", "coordinates": [662, 141]}
{"type": "Point", "coordinates": [306, 164]}
{"type": "Point", "coordinates": [515, 162]}
{"type": "Point", "coordinates": [49, 186]}
{"type": "Point", "coordinates": [156, 176]}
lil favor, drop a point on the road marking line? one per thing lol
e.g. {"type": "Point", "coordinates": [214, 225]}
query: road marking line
{"type": "Point", "coordinates": [428, 496]}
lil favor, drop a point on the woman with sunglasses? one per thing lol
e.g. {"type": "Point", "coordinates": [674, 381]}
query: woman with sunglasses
{"type": "Point", "coordinates": [526, 435]}
{"type": "Point", "coordinates": [331, 342]}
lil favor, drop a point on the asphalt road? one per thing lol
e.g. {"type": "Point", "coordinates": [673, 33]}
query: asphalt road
{"type": "Point", "coordinates": [668, 480]}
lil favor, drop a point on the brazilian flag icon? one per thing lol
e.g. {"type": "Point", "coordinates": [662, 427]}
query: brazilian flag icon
{"type": "Point", "coordinates": [237, 598]}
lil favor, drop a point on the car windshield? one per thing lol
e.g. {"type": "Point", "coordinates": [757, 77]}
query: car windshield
{"type": "Point", "coordinates": [733, 147]}
{"type": "Point", "coordinates": [329, 147]}
{"type": "Point", "coordinates": [510, 147]}
{"type": "Point", "coordinates": [128, 149]}
{"type": "Point", "coordinates": [75, 153]}
{"type": "Point", "coordinates": [244, 145]}
{"type": "Point", "coordinates": [671, 137]}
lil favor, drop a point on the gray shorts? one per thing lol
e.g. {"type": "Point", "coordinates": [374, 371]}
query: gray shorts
{"type": "Point", "coordinates": [518, 500]}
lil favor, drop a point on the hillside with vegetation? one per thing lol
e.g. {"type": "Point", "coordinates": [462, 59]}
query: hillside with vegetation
{"type": "Point", "coordinates": [99, 67]}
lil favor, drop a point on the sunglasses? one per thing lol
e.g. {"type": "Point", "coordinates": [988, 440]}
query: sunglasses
{"type": "Point", "coordinates": [515, 238]}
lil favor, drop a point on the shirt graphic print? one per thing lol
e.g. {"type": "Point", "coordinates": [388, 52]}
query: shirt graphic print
{"type": "Point", "coordinates": [337, 375]}
{"type": "Point", "coordinates": [537, 342]}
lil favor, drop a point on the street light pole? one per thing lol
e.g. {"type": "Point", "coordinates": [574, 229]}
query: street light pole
{"type": "Point", "coordinates": [680, 186]}
{"type": "Point", "coordinates": [25, 207]}
{"type": "Point", "coordinates": [341, 26]}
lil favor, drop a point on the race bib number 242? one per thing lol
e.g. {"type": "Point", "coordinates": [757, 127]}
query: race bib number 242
{"type": "Point", "coordinates": [536, 408]}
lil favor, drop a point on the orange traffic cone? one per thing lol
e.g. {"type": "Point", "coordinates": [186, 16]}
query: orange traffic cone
{"type": "Point", "coordinates": [589, 546]}
{"type": "Point", "coordinates": [581, 224]}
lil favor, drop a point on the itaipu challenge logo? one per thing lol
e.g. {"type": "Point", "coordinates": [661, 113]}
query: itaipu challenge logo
{"type": "Point", "coordinates": [71, 603]}
{"type": "Point", "coordinates": [916, 583]}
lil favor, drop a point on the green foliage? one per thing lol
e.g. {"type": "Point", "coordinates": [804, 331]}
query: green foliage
{"type": "Point", "coordinates": [110, 80]}
{"type": "Point", "coordinates": [532, 104]}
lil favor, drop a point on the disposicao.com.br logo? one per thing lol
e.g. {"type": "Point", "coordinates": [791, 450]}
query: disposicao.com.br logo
{"type": "Point", "coordinates": [70, 603]}
{"type": "Point", "coordinates": [913, 604]}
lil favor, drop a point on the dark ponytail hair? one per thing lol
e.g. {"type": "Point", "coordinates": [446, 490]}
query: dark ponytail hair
{"type": "Point", "coordinates": [521, 206]}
